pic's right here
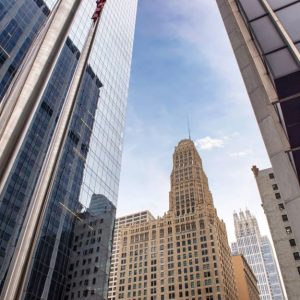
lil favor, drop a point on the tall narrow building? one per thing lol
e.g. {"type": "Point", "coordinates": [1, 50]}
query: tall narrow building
{"type": "Point", "coordinates": [90, 157]}
{"type": "Point", "coordinates": [265, 37]}
{"type": "Point", "coordinates": [287, 250]}
{"type": "Point", "coordinates": [184, 254]}
{"type": "Point", "coordinates": [258, 252]}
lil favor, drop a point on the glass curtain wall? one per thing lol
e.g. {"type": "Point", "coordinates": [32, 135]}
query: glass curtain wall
{"type": "Point", "coordinates": [91, 157]}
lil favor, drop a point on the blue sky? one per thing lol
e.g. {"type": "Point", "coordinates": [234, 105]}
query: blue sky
{"type": "Point", "coordinates": [183, 67]}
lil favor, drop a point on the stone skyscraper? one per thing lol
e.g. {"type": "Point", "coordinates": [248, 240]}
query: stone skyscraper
{"type": "Point", "coordinates": [265, 37]}
{"type": "Point", "coordinates": [90, 157]}
{"type": "Point", "coordinates": [259, 255]}
{"type": "Point", "coordinates": [184, 254]}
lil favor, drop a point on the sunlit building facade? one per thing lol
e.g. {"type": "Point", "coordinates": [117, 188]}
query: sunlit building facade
{"type": "Point", "coordinates": [184, 254]}
{"type": "Point", "coordinates": [246, 281]}
{"type": "Point", "coordinates": [91, 156]}
{"type": "Point", "coordinates": [137, 218]}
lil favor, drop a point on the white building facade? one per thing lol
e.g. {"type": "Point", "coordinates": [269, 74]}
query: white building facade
{"type": "Point", "coordinates": [259, 256]}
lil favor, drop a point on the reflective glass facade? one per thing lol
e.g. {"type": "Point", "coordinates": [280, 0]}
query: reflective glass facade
{"type": "Point", "coordinates": [91, 157]}
{"type": "Point", "coordinates": [279, 59]}
{"type": "Point", "coordinates": [20, 22]}
{"type": "Point", "coordinates": [91, 249]}
{"type": "Point", "coordinates": [259, 255]}
{"type": "Point", "coordinates": [271, 268]}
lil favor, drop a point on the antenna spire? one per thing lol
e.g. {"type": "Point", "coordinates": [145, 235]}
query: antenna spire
{"type": "Point", "coordinates": [189, 128]}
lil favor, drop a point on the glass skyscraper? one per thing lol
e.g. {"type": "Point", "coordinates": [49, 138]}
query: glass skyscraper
{"type": "Point", "coordinates": [259, 255]}
{"type": "Point", "coordinates": [91, 156]}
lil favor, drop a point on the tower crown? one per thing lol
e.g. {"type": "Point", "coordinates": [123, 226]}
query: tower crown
{"type": "Point", "coordinates": [189, 185]}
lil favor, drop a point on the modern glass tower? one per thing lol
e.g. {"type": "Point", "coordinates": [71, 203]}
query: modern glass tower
{"type": "Point", "coordinates": [90, 158]}
{"type": "Point", "coordinates": [265, 37]}
{"type": "Point", "coordinates": [259, 255]}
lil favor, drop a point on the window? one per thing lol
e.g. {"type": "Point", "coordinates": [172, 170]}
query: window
{"type": "Point", "coordinates": [252, 9]}
{"type": "Point", "coordinates": [271, 176]}
{"type": "Point", "coordinates": [292, 242]}
{"type": "Point", "coordinates": [284, 218]}
{"type": "Point", "coordinates": [298, 270]}
{"type": "Point", "coordinates": [281, 206]}
{"type": "Point", "coordinates": [277, 195]}
{"type": "Point", "coordinates": [289, 17]}
{"type": "Point", "coordinates": [296, 255]}
{"type": "Point", "coordinates": [275, 187]}
{"type": "Point", "coordinates": [288, 229]}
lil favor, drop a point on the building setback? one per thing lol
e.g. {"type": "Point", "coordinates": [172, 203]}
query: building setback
{"type": "Point", "coordinates": [258, 252]}
{"type": "Point", "coordinates": [246, 281]}
{"type": "Point", "coordinates": [91, 251]}
{"type": "Point", "coordinates": [184, 254]}
{"type": "Point", "coordinates": [265, 37]}
{"type": "Point", "coordinates": [90, 158]}
{"type": "Point", "coordinates": [286, 248]}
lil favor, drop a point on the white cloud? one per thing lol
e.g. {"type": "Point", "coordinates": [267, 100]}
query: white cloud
{"type": "Point", "coordinates": [208, 143]}
{"type": "Point", "coordinates": [240, 153]}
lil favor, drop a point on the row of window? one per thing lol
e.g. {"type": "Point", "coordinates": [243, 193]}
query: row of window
{"type": "Point", "coordinates": [285, 218]}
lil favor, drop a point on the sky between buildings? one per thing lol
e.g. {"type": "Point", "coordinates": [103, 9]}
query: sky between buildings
{"type": "Point", "coordinates": [183, 67]}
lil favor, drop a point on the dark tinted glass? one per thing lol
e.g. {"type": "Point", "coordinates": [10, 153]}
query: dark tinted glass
{"type": "Point", "coordinates": [275, 4]}
{"type": "Point", "coordinates": [281, 63]}
{"type": "Point", "coordinates": [266, 34]}
{"type": "Point", "coordinates": [291, 113]}
{"type": "Point", "coordinates": [290, 18]}
{"type": "Point", "coordinates": [252, 8]}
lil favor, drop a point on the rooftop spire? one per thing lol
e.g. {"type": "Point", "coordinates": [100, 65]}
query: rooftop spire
{"type": "Point", "coordinates": [189, 128]}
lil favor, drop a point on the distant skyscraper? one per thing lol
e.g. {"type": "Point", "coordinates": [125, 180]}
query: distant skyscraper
{"type": "Point", "coordinates": [182, 255]}
{"type": "Point", "coordinates": [265, 37]}
{"type": "Point", "coordinates": [91, 155]}
{"type": "Point", "coordinates": [89, 264]}
{"type": "Point", "coordinates": [259, 255]}
{"type": "Point", "coordinates": [286, 248]}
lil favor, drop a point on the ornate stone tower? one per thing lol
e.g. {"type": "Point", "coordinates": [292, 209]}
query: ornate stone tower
{"type": "Point", "coordinates": [183, 255]}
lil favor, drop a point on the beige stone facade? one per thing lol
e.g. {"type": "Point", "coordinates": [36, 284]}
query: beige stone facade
{"type": "Point", "coordinates": [245, 279]}
{"type": "Point", "coordinates": [136, 218]}
{"type": "Point", "coordinates": [182, 255]}
{"type": "Point", "coordinates": [281, 229]}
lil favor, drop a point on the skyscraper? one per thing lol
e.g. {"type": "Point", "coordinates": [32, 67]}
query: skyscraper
{"type": "Point", "coordinates": [184, 254]}
{"type": "Point", "coordinates": [265, 38]}
{"type": "Point", "coordinates": [91, 155]}
{"type": "Point", "coordinates": [259, 255]}
{"type": "Point", "coordinates": [286, 248]}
